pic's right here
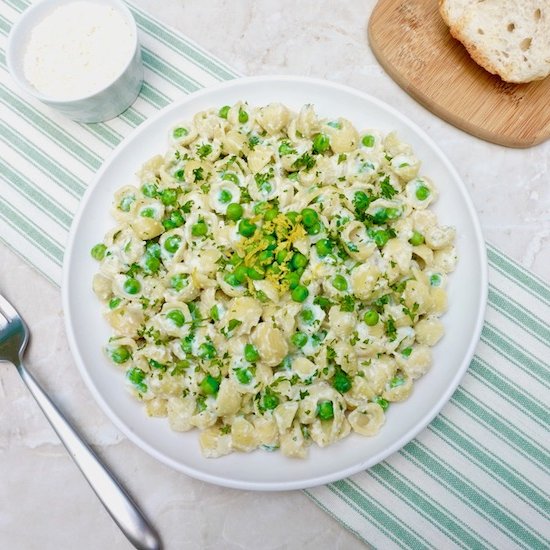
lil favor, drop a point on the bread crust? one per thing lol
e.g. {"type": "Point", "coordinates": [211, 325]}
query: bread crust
{"type": "Point", "coordinates": [491, 46]}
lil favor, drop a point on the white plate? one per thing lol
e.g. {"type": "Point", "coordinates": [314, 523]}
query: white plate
{"type": "Point", "coordinates": [88, 332]}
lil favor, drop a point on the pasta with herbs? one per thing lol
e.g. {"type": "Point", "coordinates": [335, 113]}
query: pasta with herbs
{"type": "Point", "coordinates": [275, 279]}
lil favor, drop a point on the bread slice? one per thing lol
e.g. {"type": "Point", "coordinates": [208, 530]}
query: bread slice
{"type": "Point", "coordinates": [452, 11]}
{"type": "Point", "coordinates": [510, 38]}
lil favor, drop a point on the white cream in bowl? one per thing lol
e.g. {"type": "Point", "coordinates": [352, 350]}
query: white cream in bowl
{"type": "Point", "coordinates": [79, 57]}
{"type": "Point", "coordinates": [77, 50]}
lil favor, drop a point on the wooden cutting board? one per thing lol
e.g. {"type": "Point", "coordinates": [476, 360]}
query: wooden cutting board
{"type": "Point", "coordinates": [414, 46]}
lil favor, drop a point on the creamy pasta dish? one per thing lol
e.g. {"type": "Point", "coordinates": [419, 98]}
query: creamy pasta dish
{"type": "Point", "coordinates": [275, 279]}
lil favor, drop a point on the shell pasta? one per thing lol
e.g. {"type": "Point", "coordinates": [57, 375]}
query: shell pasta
{"type": "Point", "coordinates": [275, 280]}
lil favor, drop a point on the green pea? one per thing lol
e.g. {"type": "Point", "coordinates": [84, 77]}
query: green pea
{"type": "Point", "coordinates": [286, 149]}
{"type": "Point", "coordinates": [273, 268]}
{"type": "Point", "coordinates": [176, 217]}
{"type": "Point", "coordinates": [397, 381]}
{"type": "Point", "coordinates": [271, 242]}
{"type": "Point", "coordinates": [233, 178]}
{"type": "Point", "coordinates": [292, 216]}
{"type": "Point", "coordinates": [241, 273]}
{"type": "Point", "coordinates": [225, 196]}
{"type": "Point", "coordinates": [293, 279]}
{"type": "Point", "coordinates": [299, 293]}
{"type": "Point", "coordinates": [321, 142]}
{"type": "Point", "coordinates": [114, 302]}
{"type": "Point", "coordinates": [380, 216]}
{"type": "Point", "coordinates": [270, 401]}
{"type": "Point", "coordinates": [214, 313]}
{"type": "Point", "coordinates": [207, 351]}
{"type": "Point", "coordinates": [235, 259]}
{"type": "Point", "coordinates": [224, 111]}
{"type": "Point", "coordinates": [393, 213]}
{"type": "Point", "coordinates": [168, 224]}
{"type": "Point", "coordinates": [325, 410]}
{"type": "Point", "coordinates": [231, 280]}
{"type": "Point", "coordinates": [131, 286]}
{"type": "Point", "coordinates": [243, 116]}
{"type": "Point", "coordinates": [256, 274]}
{"type": "Point", "coordinates": [180, 132]}
{"type": "Point", "coordinates": [179, 282]}
{"type": "Point", "coordinates": [204, 150]}
{"type": "Point", "coordinates": [186, 344]}
{"type": "Point", "coordinates": [199, 229]}
{"type": "Point", "coordinates": [309, 217]}
{"type": "Point", "coordinates": [244, 376]}
{"type": "Point", "coordinates": [153, 249]}
{"type": "Point", "coordinates": [368, 140]}
{"type": "Point", "coordinates": [149, 190]}
{"type": "Point", "coordinates": [136, 377]}
{"type": "Point", "coordinates": [435, 279]}
{"type": "Point", "coordinates": [381, 237]}
{"type": "Point", "coordinates": [126, 203]}
{"type": "Point", "coordinates": [340, 283]}
{"type": "Point", "coordinates": [251, 354]}
{"type": "Point", "coordinates": [314, 229]}
{"type": "Point", "coordinates": [168, 197]}
{"type": "Point", "coordinates": [382, 402]}
{"type": "Point", "coordinates": [324, 247]}
{"type": "Point", "coordinates": [299, 339]}
{"type": "Point", "coordinates": [422, 193]}
{"type": "Point", "coordinates": [210, 385]}
{"type": "Point", "coordinates": [234, 211]}
{"type": "Point", "coordinates": [147, 212]}
{"type": "Point", "coordinates": [98, 252]}
{"type": "Point", "coordinates": [152, 264]}
{"type": "Point", "coordinates": [281, 256]}
{"type": "Point", "coordinates": [371, 317]}
{"type": "Point", "coordinates": [179, 175]}
{"type": "Point", "coordinates": [341, 382]}
{"type": "Point", "coordinates": [176, 316]}
{"type": "Point", "coordinates": [406, 352]}
{"type": "Point", "coordinates": [246, 228]}
{"type": "Point", "coordinates": [271, 214]}
{"type": "Point", "coordinates": [265, 257]}
{"type": "Point", "coordinates": [298, 261]}
{"type": "Point", "coordinates": [417, 238]}
{"type": "Point", "coordinates": [120, 355]}
{"type": "Point", "coordinates": [307, 316]}
{"type": "Point", "coordinates": [172, 243]}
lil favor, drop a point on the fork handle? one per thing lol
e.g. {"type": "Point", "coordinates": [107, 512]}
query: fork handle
{"type": "Point", "coordinates": [113, 496]}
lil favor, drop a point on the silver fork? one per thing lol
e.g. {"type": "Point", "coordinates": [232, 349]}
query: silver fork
{"type": "Point", "coordinates": [14, 336]}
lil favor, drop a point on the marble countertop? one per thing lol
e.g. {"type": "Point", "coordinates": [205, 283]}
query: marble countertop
{"type": "Point", "coordinates": [45, 503]}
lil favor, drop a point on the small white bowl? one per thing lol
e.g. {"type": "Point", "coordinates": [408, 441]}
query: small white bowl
{"type": "Point", "coordinates": [107, 103]}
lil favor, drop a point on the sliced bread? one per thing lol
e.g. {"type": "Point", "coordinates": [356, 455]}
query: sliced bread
{"type": "Point", "coordinates": [453, 10]}
{"type": "Point", "coordinates": [510, 38]}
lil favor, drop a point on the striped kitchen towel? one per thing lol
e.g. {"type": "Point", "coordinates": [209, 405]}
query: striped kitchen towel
{"type": "Point", "coordinates": [477, 477]}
